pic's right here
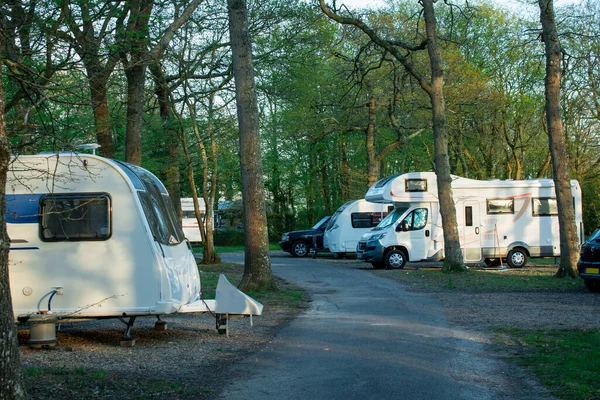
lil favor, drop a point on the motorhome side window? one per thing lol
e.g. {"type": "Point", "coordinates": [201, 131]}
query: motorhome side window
{"type": "Point", "coordinates": [416, 185]}
{"type": "Point", "coordinates": [544, 207]}
{"type": "Point", "coordinates": [366, 219]}
{"type": "Point", "coordinates": [75, 217]}
{"type": "Point", "coordinates": [500, 206]}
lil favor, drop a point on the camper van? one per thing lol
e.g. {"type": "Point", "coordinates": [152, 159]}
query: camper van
{"type": "Point", "coordinates": [189, 223]}
{"type": "Point", "coordinates": [508, 220]}
{"type": "Point", "coordinates": [349, 223]}
{"type": "Point", "coordinates": [97, 238]}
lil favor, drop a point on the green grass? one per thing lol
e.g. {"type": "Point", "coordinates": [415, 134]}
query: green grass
{"type": "Point", "coordinates": [231, 249]}
{"type": "Point", "coordinates": [81, 383]}
{"type": "Point", "coordinates": [538, 278]}
{"type": "Point", "coordinates": [565, 361]}
{"type": "Point", "coordinates": [286, 296]}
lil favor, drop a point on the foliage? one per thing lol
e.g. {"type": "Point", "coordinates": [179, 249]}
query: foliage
{"type": "Point", "coordinates": [229, 237]}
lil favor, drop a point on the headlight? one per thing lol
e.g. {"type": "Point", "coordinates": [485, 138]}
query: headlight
{"type": "Point", "coordinates": [284, 237]}
{"type": "Point", "coordinates": [378, 236]}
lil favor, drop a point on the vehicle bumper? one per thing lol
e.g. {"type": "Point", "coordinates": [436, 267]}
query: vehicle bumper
{"type": "Point", "coordinates": [285, 246]}
{"type": "Point", "coordinates": [371, 251]}
{"type": "Point", "coordinates": [589, 270]}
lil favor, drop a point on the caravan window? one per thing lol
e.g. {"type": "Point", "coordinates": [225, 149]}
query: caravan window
{"type": "Point", "coordinates": [500, 206]}
{"type": "Point", "coordinates": [416, 185]}
{"type": "Point", "coordinates": [366, 219]}
{"type": "Point", "coordinates": [544, 207]}
{"type": "Point", "coordinates": [75, 217]}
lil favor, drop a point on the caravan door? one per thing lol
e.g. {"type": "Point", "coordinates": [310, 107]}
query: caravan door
{"type": "Point", "coordinates": [470, 237]}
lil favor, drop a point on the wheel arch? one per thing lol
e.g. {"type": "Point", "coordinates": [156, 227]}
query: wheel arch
{"type": "Point", "coordinates": [519, 245]}
{"type": "Point", "coordinates": [401, 248]}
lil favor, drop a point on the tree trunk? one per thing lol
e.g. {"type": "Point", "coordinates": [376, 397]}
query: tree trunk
{"type": "Point", "coordinates": [11, 381]}
{"type": "Point", "coordinates": [558, 149]}
{"type": "Point", "coordinates": [171, 136]}
{"type": "Point", "coordinates": [136, 76]}
{"type": "Point", "coordinates": [453, 253]}
{"type": "Point", "coordinates": [101, 115]}
{"type": "Point", "coordinates": [372, 160]}
{"type": "Point", "coordinates": [345, 172]}
{"type": "Point", "coordinates": [257, 267]}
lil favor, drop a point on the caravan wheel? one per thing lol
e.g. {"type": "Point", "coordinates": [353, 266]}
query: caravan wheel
{"type": "Point", "coordinates": [395, 259]}
{"type": "Point", "coordinates": [517, 258]}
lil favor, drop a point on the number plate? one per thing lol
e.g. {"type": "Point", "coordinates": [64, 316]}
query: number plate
{"type": "Point", "coordinates": [591, 270]}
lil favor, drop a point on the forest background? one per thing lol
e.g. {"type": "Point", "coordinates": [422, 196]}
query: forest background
{"type": "Point", "coordinates": [336, 112]}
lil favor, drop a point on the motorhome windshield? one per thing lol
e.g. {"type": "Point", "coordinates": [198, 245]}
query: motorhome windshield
{"type": "Point", "coordinates": [337, 214]}
{"type": "Point", "coordinates": [321, 223]}
{"type": "Point", "coordinates": [391, 218]}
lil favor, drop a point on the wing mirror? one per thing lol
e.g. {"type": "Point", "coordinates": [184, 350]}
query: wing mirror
{"type": "Point", "coordinates": [402, 226]}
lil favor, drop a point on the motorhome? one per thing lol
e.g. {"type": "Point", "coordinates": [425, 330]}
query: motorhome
{"type": "Point", "coordinates": [497, 219]}
{"type": "Point", "coordinates": [97, 238]}
{"type": "Point", "coordinates": [349, 223]}
{"type": "Point", "coordinates": [189, 223]}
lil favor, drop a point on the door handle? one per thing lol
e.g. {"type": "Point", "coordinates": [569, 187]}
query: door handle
{"type": "Point", "coordinates": [426, 232]}
{"type": "Point", "coordinates": [477, 230]}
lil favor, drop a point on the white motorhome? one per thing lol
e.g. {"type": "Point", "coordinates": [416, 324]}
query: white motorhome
{"type": "Point", "coordinates": [349, 223]}
{"type": "Point", "coordinates": [512, 220]}
{"type": "Point", "coordinates": [98, 238]}
{"type": "Point", "coordinates": [189, 223]}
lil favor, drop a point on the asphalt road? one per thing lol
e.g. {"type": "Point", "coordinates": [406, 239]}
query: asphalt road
{"type": "Point", "coordinates": [365, 337]}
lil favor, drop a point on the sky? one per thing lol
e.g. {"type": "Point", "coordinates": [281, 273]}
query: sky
{"type": "Point", "coordinates": [509, 4]}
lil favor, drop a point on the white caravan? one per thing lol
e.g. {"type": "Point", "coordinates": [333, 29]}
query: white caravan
{"type": "Point", "coordinates": [512, 220]}
{"type": "Point", "coordinates": [189, 223]}
{"type": "Point", "coordinates": [349, 223]}
{"type": "Point", "coordinates": [98, 238]}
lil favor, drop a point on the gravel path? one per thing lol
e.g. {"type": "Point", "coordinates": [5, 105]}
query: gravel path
{"type": "Point", "coordinates": [190, 350]}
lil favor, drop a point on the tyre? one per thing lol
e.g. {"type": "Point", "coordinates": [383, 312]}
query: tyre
{"type": "Point", "coordinates": [517, 258]}
{"type": "Point", "coordinates": [395, 259]}
{"type": "Point", "coordinates": [592, 285]}
{"type": "Point", "coordinates": [299, 249]}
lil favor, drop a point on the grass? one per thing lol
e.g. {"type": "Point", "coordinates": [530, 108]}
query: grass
{"type": "Point", "coordinates": [565, 361]}
{"type": "Point", "coordinates": [81, 383]}
{"type": "Point", "coordinates": [287, 295]}
{"type": "Point", "coordinates": [537, 278]}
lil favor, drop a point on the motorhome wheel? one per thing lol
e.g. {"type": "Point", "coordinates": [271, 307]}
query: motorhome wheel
{"type": "Point", "coordinates": [517, 258]}
{"type": "Point", "coordinates": [299, 249]}
{"type": "Point", "coordinates": [592, 285]}
{"type": "Point", "coordinates": [395, 259]}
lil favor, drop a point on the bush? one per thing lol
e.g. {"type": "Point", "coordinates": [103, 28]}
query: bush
{"type": "Point", "coordinates": [229, 237]}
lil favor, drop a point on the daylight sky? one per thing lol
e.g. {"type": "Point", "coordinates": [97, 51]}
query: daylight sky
{"type": "Point", "coordinates": [510, 4]}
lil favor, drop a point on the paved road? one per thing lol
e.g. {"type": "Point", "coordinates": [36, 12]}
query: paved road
{"type": "Point", "coordinates": [365, 337]}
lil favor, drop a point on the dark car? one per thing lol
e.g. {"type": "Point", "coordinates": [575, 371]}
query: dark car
{"type": "Point", "coordinates": [588, 265]}
{"type": "Point", "coordinates": [299, 243]}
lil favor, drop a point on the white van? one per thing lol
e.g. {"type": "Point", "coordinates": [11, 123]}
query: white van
{"type": "Point", "coordinates": [349, 223]}
{"type": "Point", "coordinates": [97, 238]}
{"type": "Point", "coordinates": [189, 223]}
{"type": "Point", "coordinates": [512, 220]}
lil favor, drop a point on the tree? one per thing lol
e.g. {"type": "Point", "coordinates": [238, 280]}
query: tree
{"type": "Point", "coordinates": [558, 148]}
{"type": "Point", "coordinates": [434, 88]}
{"type": "Point", "coordinates": [257, 267]}
{"type": "Point", "coordinates": [11, 384]}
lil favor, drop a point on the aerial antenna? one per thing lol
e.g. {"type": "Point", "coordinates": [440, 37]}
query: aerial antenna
{"type": "Point", "coordinates": [89, 146]}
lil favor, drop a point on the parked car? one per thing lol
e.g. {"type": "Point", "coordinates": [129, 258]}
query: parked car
{"type": "Point", "coordinates": [299, 243]}
{"type": "Point", "coordinates": [588, 265]}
